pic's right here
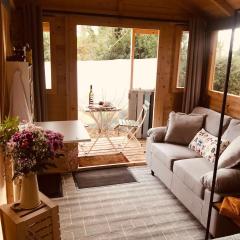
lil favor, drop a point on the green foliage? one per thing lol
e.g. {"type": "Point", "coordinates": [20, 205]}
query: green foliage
{"type": "Point", "coordinates": [46, 45]}
{"type": "Point", "coordinates": [220, 74]}
{"type": "Point", "coordinates": [7, 128]}
{"type": "Point", "coordinates": [108, 43]}
{"type": "Point", "coordinates": [146, 46]}
{"type": "Point", "coordinates": [183, 59]}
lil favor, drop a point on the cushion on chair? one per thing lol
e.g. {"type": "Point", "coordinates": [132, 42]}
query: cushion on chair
{"type": "Point", "coordinates": [212, 120]}
{"type": "Point", "coordinates": [189, 171]}
{"type": "Point", "coordinates": [128, 123]}
{"type": "Point", "coordinates": [167, 153]}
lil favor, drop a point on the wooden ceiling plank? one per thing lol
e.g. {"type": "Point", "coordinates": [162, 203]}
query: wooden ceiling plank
{"type": "Point", "coordinates": [191, 8]}
{"type": "Point", "coordinates": [223, 6]}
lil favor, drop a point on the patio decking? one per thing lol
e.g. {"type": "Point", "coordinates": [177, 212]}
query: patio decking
{"type": "Point", "coordinates": [133, 152]}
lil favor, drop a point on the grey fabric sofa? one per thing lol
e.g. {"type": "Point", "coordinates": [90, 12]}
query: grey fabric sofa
{"type": "Point", "coordinates": [180, 169]}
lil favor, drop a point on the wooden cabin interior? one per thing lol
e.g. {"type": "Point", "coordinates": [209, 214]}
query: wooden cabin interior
{"type": "Point", "coordinates": [185, 73]}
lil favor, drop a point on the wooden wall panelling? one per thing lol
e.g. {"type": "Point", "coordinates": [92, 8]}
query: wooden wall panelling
{"type": "Point", "coordinates": [6, 187]}
{"type": "Point", "coordinates": [115, 22]}
{"type": "Point", "coordinates": [71, 69]}
{"type": "Point", "coordinates": [165, 9]}
{"type": "Point", "coordinates": [56, 100]}
{"type": "Point", "coordinates": [3, 196]}
{"type": "Point", "coordinates": [163, 96]}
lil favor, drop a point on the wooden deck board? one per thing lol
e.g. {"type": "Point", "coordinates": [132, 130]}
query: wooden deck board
{"type": "Point", "coordinates": [134, 153]}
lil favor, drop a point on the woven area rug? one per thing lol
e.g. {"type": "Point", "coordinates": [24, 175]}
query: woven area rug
{"type": "Point", "coordinates": [88, 161]}
{"type": "Point", "coordinates": [103, 177]}
{"type": "Point", "coordinates": [145, 210]}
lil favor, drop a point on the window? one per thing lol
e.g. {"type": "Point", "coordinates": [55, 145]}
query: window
{"type": "Point", "coordinates": [47, 55]}
{"type": "Point", "coordinates": [144, 69]}
{"type": "Point", "coordinates": [180, 58]}
{"type": "Point", "coordinates": [182, 64]}
{"type": "Point", "coordinates": [220, 62]}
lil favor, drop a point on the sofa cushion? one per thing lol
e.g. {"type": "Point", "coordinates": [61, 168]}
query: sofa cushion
{"type": "Point", "coordinates": [190, 171]}
{"type": "Point", "coordinates": [232, 131]}
{"type": "Point", "coordinates": [167, 153]}
{"type": "Point", "coordinates": [227, 181]}
{"type": "Point", "coordinates": [183, 127]}
{"type": "Point", "coordinates": [231, 156]}
{"type": "Point", "coordinates": [212, 120]}
{"type": "Point", "coordinates": [206, 145]}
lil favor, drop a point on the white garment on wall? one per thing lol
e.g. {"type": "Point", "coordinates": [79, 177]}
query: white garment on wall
{"type": "Point", "coordinates": [18, 99]}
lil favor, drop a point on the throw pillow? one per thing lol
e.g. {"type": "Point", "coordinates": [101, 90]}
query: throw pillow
{"type": "Point", "coordinates": [182, 127]}
{"type": "Point", "coordinates": [206, 145]}
{"type": "Point", "coordinates": [227, 180]}
{"type": "Point", "coordinates": [231, 156]}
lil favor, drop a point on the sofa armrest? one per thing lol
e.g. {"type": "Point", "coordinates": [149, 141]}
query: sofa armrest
{"type": "Point", "coordinates": [227, 181]}
{"type": "Point", "coordinates": [157, 134]}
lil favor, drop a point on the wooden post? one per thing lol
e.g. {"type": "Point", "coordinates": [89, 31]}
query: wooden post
{"type": "Point", "coordinates": [162, 105]}
{"type": "Point", "coordinates": [3, 196]}
{"type": "Point", "coordinates": [9, 182]}
{"type": "Point", "coordinates": [133, 41]}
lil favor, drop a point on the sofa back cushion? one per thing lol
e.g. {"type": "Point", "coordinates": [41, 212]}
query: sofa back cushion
{"type": "Point", "coordinates": [231, 156]}
{"type": "Point", "coordinates": [233, 130]}
{"type": "Point", "coordinates": [182, 128]}
{"type": "Point", "coordinates": [212, 120]}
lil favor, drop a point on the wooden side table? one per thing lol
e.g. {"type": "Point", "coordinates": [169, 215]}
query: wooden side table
{"type": "Point", "coordinates": [40, 223]}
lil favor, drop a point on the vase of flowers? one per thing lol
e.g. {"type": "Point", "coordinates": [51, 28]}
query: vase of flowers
{"type": "Point", "coordinates": [32, 149]}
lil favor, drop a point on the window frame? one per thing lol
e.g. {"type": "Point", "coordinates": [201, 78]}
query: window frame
{"type": "Point", "coordinates": [52, 53]}
{"type": "Point", "coordinates": [179, 29]}
{"type": "Point", "coordinates": [212, 65]}
{"type": "Point", "coordinates": [134, 32]}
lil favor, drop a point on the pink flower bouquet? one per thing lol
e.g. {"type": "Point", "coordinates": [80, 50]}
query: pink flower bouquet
{"type": "Point", "coordinates": [31, 148]}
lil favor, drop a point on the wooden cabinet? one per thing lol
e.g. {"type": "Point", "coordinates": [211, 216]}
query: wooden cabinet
{"type": "Point", "coordinates": [41, 223]}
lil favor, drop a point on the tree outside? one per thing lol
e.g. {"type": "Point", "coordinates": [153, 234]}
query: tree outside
{"type": "Point", "coordinates": [221, 63]}
{"type": "Point", "coordinates": [108, 43]}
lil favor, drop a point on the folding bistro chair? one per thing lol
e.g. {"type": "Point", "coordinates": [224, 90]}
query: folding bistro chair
{"type": "Point", "coordinates": [133, 126]}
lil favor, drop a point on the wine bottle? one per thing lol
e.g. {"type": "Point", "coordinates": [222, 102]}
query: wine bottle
{"type": "Point", "coordinates": [91, 96]}
{"type": "Point", "coordinates": [28, 54]}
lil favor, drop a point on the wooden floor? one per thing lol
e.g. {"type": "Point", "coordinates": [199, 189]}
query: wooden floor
{"type": "Point", "coordinates": [133, 152]}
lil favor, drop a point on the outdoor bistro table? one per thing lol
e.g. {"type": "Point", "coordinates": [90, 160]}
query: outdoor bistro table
{"type": "Point", "coordinates": [103, 117]}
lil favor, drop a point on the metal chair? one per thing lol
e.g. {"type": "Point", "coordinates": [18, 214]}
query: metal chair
{"type": "Point", "coordinates": [133, 126]}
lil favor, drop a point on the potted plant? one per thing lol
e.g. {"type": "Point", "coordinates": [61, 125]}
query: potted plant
{"type": "Point", "coordinates": [32, 149]}
{"type": "Point", "coordinates": [7, 128]}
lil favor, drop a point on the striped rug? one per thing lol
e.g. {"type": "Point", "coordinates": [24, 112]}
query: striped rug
{"type": "Point", "coordinates": [143, 210]}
